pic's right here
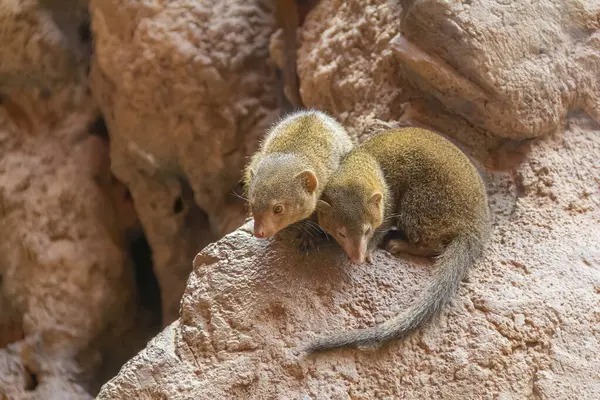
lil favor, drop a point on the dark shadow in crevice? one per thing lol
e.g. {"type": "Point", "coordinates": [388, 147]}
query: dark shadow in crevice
{"type": "Point", "coordinates": [148, 289]}
{"type": "Point", "coordinates": [196, 224]}
{"type": "Point", "coordinates": [178, 205]}
{"type": "Point", "coordinates": [84, 32]}
{"type": "Point", "coordinates": [11, 320]}
{"type": "Point", "coordinates": [98, 128]}
{"type": "Point", "coordinates": [146, 322]}
{"type": "Point", "coordinates": [32, 380]}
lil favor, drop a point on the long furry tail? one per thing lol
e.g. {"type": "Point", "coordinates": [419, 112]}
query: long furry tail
{"type": "Point", "coordinates": [452, 266]}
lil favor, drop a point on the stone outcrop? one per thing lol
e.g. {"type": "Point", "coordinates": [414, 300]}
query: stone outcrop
{"type": "Point", "coordinates": [69, 315]}
{"type": "Point", "coordinates": [186, 90]}
{"type": "Point", "coordinates": [514, 69]}
{"type": "Point", "coordinates": [66, 280]}
{"type": "Point", "coordinates": [35, 54]}
{"type": "Point", "coordinates": [523, 326]}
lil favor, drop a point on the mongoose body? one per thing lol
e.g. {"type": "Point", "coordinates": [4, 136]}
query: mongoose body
{"type": "Point", "coordinates": [288, 173]}
{"type": "Point", "coordinates": [424, 185]}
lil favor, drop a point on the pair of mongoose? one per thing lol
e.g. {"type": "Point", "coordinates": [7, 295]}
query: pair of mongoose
{"type": "Point", "coordinates": [410, 178]}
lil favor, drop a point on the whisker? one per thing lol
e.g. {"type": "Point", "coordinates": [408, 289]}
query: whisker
{"type": "Point", "coordinates": [309, 228]}
{"type": "Point", "coordinates": [300, 225]}
{"type": "Point", "coordinates": [318, 228]}
{"type": "Point", "coordinates": [314, 226]}
{"type": "Point", "coordinates": [308, 232]}
{"type": "Point", "coordinates": [239, 195]}
{"type": "Point", "coordinates": [293, 227]}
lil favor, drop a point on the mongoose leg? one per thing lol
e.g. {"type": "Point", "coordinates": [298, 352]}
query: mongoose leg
{"type": "Point", "coordinates": [376, 240]}
{"type": "Point", "coordinates": [397, 246]}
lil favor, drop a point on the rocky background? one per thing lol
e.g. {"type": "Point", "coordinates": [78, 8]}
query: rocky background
{"type": "Point", "coordinates": [123, 130]}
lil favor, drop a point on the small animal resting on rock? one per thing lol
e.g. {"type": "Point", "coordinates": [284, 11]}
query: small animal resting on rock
{"type": "Point", "coordinates": [287, 175]}
{"type": "Point", "coordinates": [424, 185]}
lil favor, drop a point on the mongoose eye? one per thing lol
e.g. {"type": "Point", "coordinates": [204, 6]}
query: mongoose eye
{"type": "Point", "coordinates": [341, 234]}
{"type": "Point", "coordinates": [278, 209]}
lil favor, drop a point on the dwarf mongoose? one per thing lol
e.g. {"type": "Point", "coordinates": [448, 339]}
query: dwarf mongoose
{"type": "Point", "coordinates": [424, 185]}
{"type": "Point", "coordinates": [287, 175]}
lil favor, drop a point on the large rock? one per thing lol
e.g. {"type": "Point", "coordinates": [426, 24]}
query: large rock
{"type": "Point", "coordinates": [515, 69]}
{"type": "Point", "coordinates": [66, 280]}
{"type": "Point", "coordinates": [187, 89]}
{"type": "Point", "coordinates": [525, 324]}
{"type": "Point", "coordinates": [68, 310]}
{"type": "Point", "coordinates": [35, 53]}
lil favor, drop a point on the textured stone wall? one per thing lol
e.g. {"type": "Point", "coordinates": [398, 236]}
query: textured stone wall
{"type": "Point", "coordinates": [186, 89]}
{"type": "Point", "coordinates": [488, 75]}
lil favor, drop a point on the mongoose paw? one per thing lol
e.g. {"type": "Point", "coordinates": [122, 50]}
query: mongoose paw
{"type": "Point", "coordinates": [306, 242]}
{"type": "Point", "coordinates": [369, 258]}
{"type": "Point", "coordinates": [396, 246]}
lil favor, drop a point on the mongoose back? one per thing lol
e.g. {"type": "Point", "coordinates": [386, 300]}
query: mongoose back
{"type": "Point", "coordinates": [423, 184]}
{"type": "Point", "coordinates": [288, 173]}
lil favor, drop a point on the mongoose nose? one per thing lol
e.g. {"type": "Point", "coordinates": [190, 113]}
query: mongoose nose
{"type": "Point", "coordinates": [259, 233]}
{"type": "Point", "coordinates": [357, 259]}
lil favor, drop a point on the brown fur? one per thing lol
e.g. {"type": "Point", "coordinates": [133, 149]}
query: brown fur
{"type": "Point", "coordinates": [432, 193]}
{"type": "Point", "coordinates": [292, 167]}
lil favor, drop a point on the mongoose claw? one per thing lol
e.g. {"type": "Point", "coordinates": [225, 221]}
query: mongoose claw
{"type": "Point", "coordinates": [306, 243]}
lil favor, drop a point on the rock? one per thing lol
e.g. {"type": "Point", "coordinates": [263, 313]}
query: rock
{"type": "Point", "coordinates": [66, 279]}
{"type": "Point", "coordinates": [186, 89]}
{"type": "Point", "coordinates": [515, 69]}
{"type": "Point", "coordinates": [523, 325]}
{"type": "Point", "coordinates": [35, 53]}
{"type": "Point", "coordinates": [69, 315]}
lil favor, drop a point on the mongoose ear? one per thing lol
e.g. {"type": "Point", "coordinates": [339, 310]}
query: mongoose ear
{"type": "Point", "coordinates": [323, 206]}
{"type": "Point", "coordinates": [309, 180]}
{"type": "Point", "coordinates": [376, 199]}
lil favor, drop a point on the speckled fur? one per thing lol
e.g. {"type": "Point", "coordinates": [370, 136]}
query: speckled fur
{"type": "Point", "coordinates": [436, 198]}
{"type": "Point", "coordinates": [305, 140]}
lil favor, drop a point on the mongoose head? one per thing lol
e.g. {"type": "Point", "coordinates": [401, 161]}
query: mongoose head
{"type": "Point", "coordinates": [281, 192]}
{"type": "Point", "coordinates": [351, 216]}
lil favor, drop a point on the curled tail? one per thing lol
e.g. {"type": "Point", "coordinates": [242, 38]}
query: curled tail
{"type": "Point", "coordinates": [452, 266]}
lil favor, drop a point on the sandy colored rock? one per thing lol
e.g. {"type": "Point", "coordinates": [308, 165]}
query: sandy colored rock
{"type": "Point", "coordinates": [525, 324]}
{"type": "Point", "coordinates": [187, 89]}
{"type": "Point", "coordinates": [35, 53]}
{"type": "Point", "coordinates": [66, 281]}
{"type": "Point", "coordinates": [515, 69]}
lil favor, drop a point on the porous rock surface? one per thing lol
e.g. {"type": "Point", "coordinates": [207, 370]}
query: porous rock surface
{"type": "Point", "coordinates": [525, 323]}
{"type": "Point", "coordinates": [69, 316]}
{"type": "Point", "coordinates": [515, 69]}
{"type": "Point", "coordinates": [66, 282]}
{"type": "Point", "coordinates": [35, 54]}
{"type": "Point", "coordinates": [187, 89]}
